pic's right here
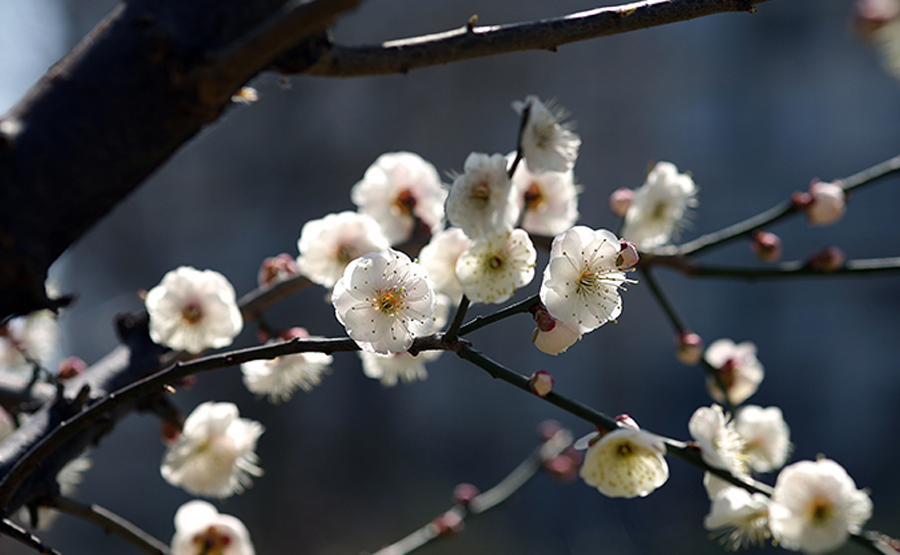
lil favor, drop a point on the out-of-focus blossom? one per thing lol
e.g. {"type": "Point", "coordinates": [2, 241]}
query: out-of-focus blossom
{"type": "Point", "coordinates": [547, 144]}
{"type": "Point", "coordinates": [27, 339]}
{"type": "Point", "coordinates": [201, 530]}
{"type": "Point", "coordinates": [280, 377]}
{"type": "Point", "coordinates": [767, 436]}
{"type": "Point", "coordinates": [689, 348]}
{"type": "Point", "coordinates": [394, 367]}
{"type": "Point", "coordinates": [620, 201]}
{"type": "Point", "coordinates": [720, 444]}
{"type": "Point", "coordinates": [439, 257]}
{"type": "Point", "coordinates": [737, 368]}
{"type": "Point", "coordinates": [738, 518]}
{"type": "Point", "coordinates": [385, 301]}
{"type": "Point", "coordinates": [581, 282]}
{"type": "Point", "coordinates": [816, 506]}
{"type": "Point", "coordinates": [491, 270]}
{"type": "Point", "coordinates": [660, 207]}
{"type": "Point", "coordinates": [215, 455]}
{"type": "Point", "coordinates": [192, 310]}
{"type": "Point", "coordinates": [277, 268]}
{"type": "Point", "coordinates": [548, 201]}
{"type": "Point", "coordinates": [398, 189]}
{"type": "Point", "coordinates": [327, 245]}
{"type": "Point", "coordinates": [481, 201]}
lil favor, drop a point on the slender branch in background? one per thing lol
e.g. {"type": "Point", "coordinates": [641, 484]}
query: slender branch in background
{"type": "Point", "coordinates": [468, 42]}
{"type": "Point", "coordinates": [112, 523]}
{"type": "Point", "coordinates": [794, 268]}
{"type": "Point", "coordinates": [782, 210]}
{"type": "Point", "coordinates": [517, 308]}
{"type": "Point", "coordinates": [526, 113]}
{"type": "Point", "coordinates": [453, 330]}
{"type": "Point", "coordinates": [528, 469]}
{"type": "Point", "coordinates": [16, 532]}
{"type": "Point", "coordinates": [674, 318]}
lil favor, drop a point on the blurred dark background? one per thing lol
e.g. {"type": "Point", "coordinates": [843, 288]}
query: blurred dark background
{"type": "Point", "coordinates": [754, 105]}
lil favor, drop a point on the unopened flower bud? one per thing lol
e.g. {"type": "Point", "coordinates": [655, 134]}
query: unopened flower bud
{"type": "Point", "coordinates": [277, 268]}
{"type": "Point", "coordinates": [564, 467]}
{"type": "Point", "coordinates": [628, 255]}
{"type": "Point", "coordinates": [542, 317]}
{"type": "Point", "coordinates": [827, 260]}
{"type": "Point", "coordinates": [169, 432]}
{"type": "Point", "coordinates": [71, 367]}
{"type": "Point", "coordinates": [463, 494]}
{"type": "Point", "coordinates": [690, 348]}
{"type": "Point", "coordinates": [626, 421]}
{"type": "Point", "coordinates": [620, 201]}
{"type": "Point", "coordinates": [547, 429]}
{"type": "Point", "coordinates": [767, 246]}
{"type": "Point", "coordinates": [291, 333]}
{"type": "Point", "coordinates": [825, 203]}
{"type": "Point", "coordinates": [541, 383]}
{"type": "Point", "coordinates": [555, 340]}
{"type": "Point", "coordinates": [448, 523]}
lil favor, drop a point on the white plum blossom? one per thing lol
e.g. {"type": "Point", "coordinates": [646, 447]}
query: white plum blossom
{"type": "Point", "coordinates": [215, 454]}
{"type": "Point", "coordinates": [201, 530]}
{"type": "Point", "coordinates": [626, 462]}
{"type": "Point", "coordinates": [581, 282]}
{"type": "Point", "coordinates": [193, 310]}
{"type": "Point", "coordinates": [720, 445]}
{"type": "Point", "coordinates": [548, 201]}
{"type": "Point", "coordinates": [737, 367]}
{"type": "Point", "coordinates": [660, 207]}
{"type": "Point", "coordinates": [398, 189]}
{"type": "Point", "coordinates": [394, 367]}
{"type": "Point", "coordinates": [481, 200]}
{"type": "Point", "coordinates": [27, 339]}
{"type": "Point", "coordinates": [767, 436]}
{"type": "Point", "coordinates": [827, 203]}
{"type": "Point", "coordinates": [491, 270]}
{"type": "Point", "coordinates": [280, 377]}
{"type": "Point", "coordinates": [816, 506]}
{"type": "Point", "coordinates": [385, 301]}
{"type": "Point", "coordinates": [327, 245]}
{"type": "Point", "coordinates": [554, 338]}
{"type": "Point", "coordinates": [547, 144]}
{"type": "Point", "coordinates": [739, 519]}
{"type": "Point", "coordinates": [439, 257]}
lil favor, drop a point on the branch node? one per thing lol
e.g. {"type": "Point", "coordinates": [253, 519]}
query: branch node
{"type": "Point", "coordinates": [470, 25]}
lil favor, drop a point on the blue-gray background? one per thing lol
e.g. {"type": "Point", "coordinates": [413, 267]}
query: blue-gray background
{"type": "Point", "coordinates": [753, 105]}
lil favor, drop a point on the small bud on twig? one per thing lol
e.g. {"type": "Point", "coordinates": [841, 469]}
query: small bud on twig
{"type": "Point", "coordinates": [541, 383]}
{"type": "Point", "coordinates": [690, 348]}
{"type": "Point", "coordinates": [767, 246]}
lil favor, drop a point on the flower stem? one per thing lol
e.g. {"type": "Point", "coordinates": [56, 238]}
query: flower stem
{"type": "Point", "coordinates": [481, 321]}
{"type": "Point", "coordinates": [453, 330]}
{"type": "Point", "coordinates": [526, 111]}
{"type": "Point", "coordinates": [674, 318]}
{"type": "Point", "coordinates": [789, 269]}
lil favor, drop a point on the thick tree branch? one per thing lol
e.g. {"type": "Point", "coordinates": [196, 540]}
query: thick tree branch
{"type": "Point", "coordinates": [468, 42]}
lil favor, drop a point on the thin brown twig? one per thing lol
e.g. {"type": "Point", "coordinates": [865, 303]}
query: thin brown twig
{"type": "Point", "coordinates": [790, 269]}
{"type": "Point", "coordinates": [16, 532]}
{"type": "Point", "coordinates": [468, 42]}
{"type": "Point", "coordinates": [521, 475]}
{"type": "Point", "coordinates": [111, 523]}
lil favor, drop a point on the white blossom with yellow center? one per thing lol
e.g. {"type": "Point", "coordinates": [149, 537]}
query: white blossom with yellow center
{"type": "Point", "coordinates": [328, 244]}
{"type": "Point", "coordinates": [626, 462]}
{"type": "Point", "coordinates": [547, 143]}
{"type": "Point", "coordinates": [385, 301]}
{"type": "Point", "coordinates": [660, 207]}
{"type": "Point", "coordinates": [738, 518]}
{"type": "Point", "coordinates": [548, 201]}
{"type": "Point", "coordinates": [481, 199]}
{"type": "Point", "coordinates": [581, 282]}
{"type": "Point", "coordinates": [192, 310]}
{"type": "Point", "coordinates": [491, 270]}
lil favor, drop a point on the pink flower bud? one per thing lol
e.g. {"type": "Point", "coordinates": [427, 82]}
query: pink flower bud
{"type": "Point", "coordinates": [620, 201]}
{"type": "Point", "coordinates": [827, 260]}
{"type": "Point", "coordinates": [628, 255]}
{"type": "Point", "coordinates": [291, 333]}
{"type": "Point", "coordinates": [556, 340]}
{"type": "Point", "coordinates": [827, 203]}
{"type": "Point", "coordinates": [627, 422]}
{"type": "Point", "coordinates": [767, 246]}
{"type": "Point", "coordinates": [690, 348]}
{"type": "Point", "coordinates": [277, 268]}
{"type": "Point", "coordinates": [541, 383]}
{"type": "Point", "coordinates": [448, 524]}
{"type": "Point", "coordinates": [565, 466]}
{"type": "Point", "coordinates": [463, 494]}
{"type": "Point", "coordinates": [548, 429]}
{"type": "Point", "coordinates": [71, 367]}
{"type": "Point", "coordinates": [542, 317]}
